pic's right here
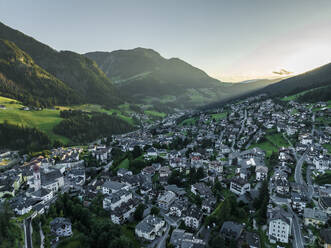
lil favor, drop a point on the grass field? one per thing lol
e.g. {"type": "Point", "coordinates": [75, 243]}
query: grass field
{"type": "Point", "coordinates": [295, 96]}
{"type": "Point", "coordinates": [155, 113]}
{"type": "Point", "coordinates": [124, 164]}
{"type": "Point", "coordinates": [272, 143]}
{"type": "Point", "coordinates": [122, 112]}
{"type": "Point", "coordinates": [189, 121]}
{"type": "Point", "coordinates": [319, 108]}
{"type": "Point", "coordinates": [327, 146]}
{"type": "Point", "coordinates": [219, 116]}
{"type": "Point", "coordinates": [43, 120]}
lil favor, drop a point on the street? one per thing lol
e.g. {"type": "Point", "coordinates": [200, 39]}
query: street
{"type": "Point", "coordinates": [28, 234]}
{"type": "Point", "coordinates": [298, 240]}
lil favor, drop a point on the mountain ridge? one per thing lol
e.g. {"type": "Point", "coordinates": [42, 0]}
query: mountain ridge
{"type": "Point", "coordinates": [79, 73]}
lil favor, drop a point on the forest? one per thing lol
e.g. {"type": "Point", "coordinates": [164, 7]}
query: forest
{"type": "Point", "coordinates": [22, 138]}
{"type": "Point", "coordinates": [82, 127]}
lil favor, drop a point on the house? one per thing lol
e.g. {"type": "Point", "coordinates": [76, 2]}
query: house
{"type": "Point", "coordinates": [61, 227]}
{"type": "Point", "coordinates": [208, 204]}
{"type": "Point", "coordinates": [150, 227]}
{"type": "Point", "coordinates": [280, 223]}
{"type": "Point", "coordinates": [192, 217]}
{"type": "Point", "coordinates": [202, 189]}
{"type": "Point", "coordinates": [282, 186]}
{"type": "Point", "coordinates": [124, 211]}
{"type": "Point", "coordinates": [325, 204]}
{"type": "Point", "coordinates": [298, 201]}
{"type": "Point", "coordinates": [149, 170]}
{"type": "Point", "coordinates": [182, 239]}
{"type": "Point", "coordinates": [239, 186]}
{"type": "Point", "coordinates": [249, 239]}
{"type": "Point", "coordinates": [164, 171]}
{"type": "Point", "coordinates": [116, 199]}
{"type": "Point", "coordinates": [231, 230]}
{"type": "Point", "coordinates": [178, 208]}
{"type": "Point", "coordinates": [151, 152]}
{"type": "Point", "coordinates": [122, 172]}
{"type": "Point", "coordinates": [261, 172]}
{"type": "Point", "coordinates": [166, 199]}
{"type": "Point", "coordinates": [44, 194]}
{"type": "Point", "coordinates": [325, 238]}
{"type": "Point", "coordinates": [113, 186]}
{"type": "Point", "coordinates": [314, 217]}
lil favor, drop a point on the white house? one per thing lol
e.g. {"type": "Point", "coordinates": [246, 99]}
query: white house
{"type": "Point", "coordinates": [192, 217]}
{"type": "Point", "coordinates": [116, 199]}
{"type": "Point", "coordinates": [239, 186]}
{"type": "Point", "coordinates": [112, 187]}
{"type": "Point", "coordinates": [280, 223]}
{"type": "Point", "coordinates": [150, 227]}
{"type": "Point", "coordinates": [166, 199]}
{"type": "Point", "coordinates": [261, 172]}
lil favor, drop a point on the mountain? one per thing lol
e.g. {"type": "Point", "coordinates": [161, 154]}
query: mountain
{"type": "Point", "coordinates": [23, 79]}
{"type": "Point", "coordinates": [318, 77]}
{"type": "Point", "coordinates": [147, 76]}
{"type": "Point", "coordinates": [78, 73]}
{"type": "Point", "coordinates": [152, 79]}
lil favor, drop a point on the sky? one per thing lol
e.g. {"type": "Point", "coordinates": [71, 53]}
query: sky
{"type": "Point", "coordinates": [231, 40]}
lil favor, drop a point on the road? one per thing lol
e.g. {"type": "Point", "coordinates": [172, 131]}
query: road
{"type": "Point", "coordinates": [298, 170]}
{"type": "Point", "coordinates": [298, 240]}
{"type": "Point", "coordinates": [162, 243]}
{"type": "Point", "coordinates": [42, 236]}
{"type": "Point", "coordinates": [28, 234]}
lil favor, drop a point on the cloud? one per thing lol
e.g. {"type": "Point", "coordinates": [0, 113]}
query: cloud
{"type": "Point", "coordinates": [282, 72]}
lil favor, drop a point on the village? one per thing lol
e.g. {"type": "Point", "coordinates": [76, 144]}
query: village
{"type": "Point", "coordinates": [254, 173]}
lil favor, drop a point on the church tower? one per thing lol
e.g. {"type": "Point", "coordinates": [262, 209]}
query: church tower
{"type": "Point", "coordinates": [36, 178]}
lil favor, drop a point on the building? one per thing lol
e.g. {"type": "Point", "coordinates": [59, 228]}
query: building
{"type": "Point", "coordinates": [61, 227]}
{"type": "Point", "coordinates": [325, 238]}
{"type": "Point", "coordinates": [325, 204]}
{"type": "Point", "coordinates": [231, 230]}
{"type": "Point", "coordinates": [150, 227]}
{"type": "Point", "coordinates": [182, 239]}
{"type": "Point", "coordinates": [261, 172]}
{"type": "Point", "coordinates": [112, 187]}
{"type": "Point", "coordinates": [202, 189]}
{"type": "Point", "coordinates": [314, 217]}
{"type": "Point", "coordinates": [116, 199]}
{"type": "Point", "coordinates": [280, 223]}
{"type": "Point", "coordinates": [192, 217]}
{"type": "Point", "coordinates": [166, 199]}
{"type": "Point", "coordinates": [239, 186]}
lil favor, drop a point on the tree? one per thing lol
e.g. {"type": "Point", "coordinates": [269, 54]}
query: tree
{"type": "Point", "coordinates": [155, 211]}
{"type": "Point", "coordinates": [139, 213]}
{"type": "Point", "coordinates": [136, 152]}
{"type": "Point", "coordinates": [200, 173]}
{"type": "Point", "coordinates": [261, 203]}
{"type": "Point", "coordinates": [216, 242]}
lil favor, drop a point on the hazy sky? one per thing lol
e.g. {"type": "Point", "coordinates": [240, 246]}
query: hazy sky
{"type": "Point", "coordinates": [230, 39]}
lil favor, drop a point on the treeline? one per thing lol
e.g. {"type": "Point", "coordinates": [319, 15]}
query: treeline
{"type": "Point", "coordinates": [10, 233]}
{"type": "Point", "coordinates": [83, 127]}
{"type": "Point", "coordinates": [317, 95]}
{"type": "Point", "coordinates": [22, 138]}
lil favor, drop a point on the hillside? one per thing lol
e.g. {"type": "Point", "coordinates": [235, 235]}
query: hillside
{"type": "Point", "coordinates": [148, 77]}
{"type": "Point", "coordinates": [77, 72]}
{"type": "Point", "coordinates": [23, 79]}
{"type": "Point", "coordinates": [312, 79]}
{"type": "Point", "coordinates": [152, 79]}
